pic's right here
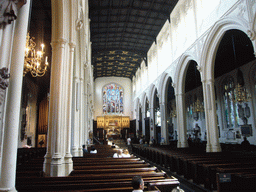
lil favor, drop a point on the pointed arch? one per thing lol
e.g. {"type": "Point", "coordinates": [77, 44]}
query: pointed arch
{"type": "Point", "coordinates": [213, 40]}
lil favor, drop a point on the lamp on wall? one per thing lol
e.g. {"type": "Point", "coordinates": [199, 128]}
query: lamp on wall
{"type": "Point", "coordinates": [34, 62]}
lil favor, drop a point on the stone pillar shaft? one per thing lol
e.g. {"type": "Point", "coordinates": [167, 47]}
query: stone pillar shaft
{"type": "Point", "coordinates": [181, 119]}
{"type": "Point", "coordinates": [12, 116]}
{"type": "Point", "coordinates": [164, 130]}
{"type": "Point", "coordinates": [213, 144]}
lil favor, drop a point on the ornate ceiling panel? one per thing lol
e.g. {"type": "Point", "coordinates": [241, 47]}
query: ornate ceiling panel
{"type": "Point", "coordinates": [123, 31]}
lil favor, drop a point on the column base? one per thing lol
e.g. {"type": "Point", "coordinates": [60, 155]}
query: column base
{"type": "Point", "coordinates": [75, 152]}
{"type": "Point", "coordinates": [57, 166]}
{"type": "Point", "coordinates": [8, 189]}
{"type": "Point", "coordinates": [182, 144]}
{"type": "Point", "coordinates": [213, 148]}
{"type": "Point", "coordinates": [80, 152]}
{"type": "Point", "coordinates": [47, 165]}
{"type": "Point", "coordinates": [68, 164]}
{"type": "Point", "coordinates": [216, 148]}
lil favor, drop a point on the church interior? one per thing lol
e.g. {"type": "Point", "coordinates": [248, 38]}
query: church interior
{"type": "Point", "coordinates": [170, 82]}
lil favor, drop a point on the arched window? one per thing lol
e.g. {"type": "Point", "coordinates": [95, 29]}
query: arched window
{"type": "Point", "coordinates": [113, 96]}
{"type": "Point", "coordinates": [230, 107]}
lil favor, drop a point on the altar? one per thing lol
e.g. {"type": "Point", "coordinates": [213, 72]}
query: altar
{"type": "Point", "coordinates": [112, 125]}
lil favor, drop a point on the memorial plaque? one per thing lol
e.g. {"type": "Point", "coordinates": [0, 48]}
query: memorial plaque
{"type": "Point", "coordinates": [225, 177]}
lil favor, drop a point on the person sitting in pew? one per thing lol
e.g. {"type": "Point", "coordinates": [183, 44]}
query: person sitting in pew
{"type": "Point", "coordinates": [137, 184]}
{"type": "Point", "coordinates": [126, 153]}
{"type": "Point", "coordinates": [113, 145]}
{"type": "Point", "coordinates": [118, 154]}
{"type": "Point", "coordinates": [245, 144]}
{"type": "Point", "coordinates": [84, 150]}
{"type": "Point", "coordinates": [93, 150]}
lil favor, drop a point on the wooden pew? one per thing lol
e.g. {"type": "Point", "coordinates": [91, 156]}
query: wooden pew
{"type": "Point", "coordinates": [200, 166]}
{"type": "Point", "coordinates": [89, 181]}
{"type": "Point", "coordinates": [97, 173]}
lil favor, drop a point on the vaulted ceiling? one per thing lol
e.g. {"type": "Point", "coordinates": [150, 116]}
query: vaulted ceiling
{"type": "Point", "coordinates": [122, 33]}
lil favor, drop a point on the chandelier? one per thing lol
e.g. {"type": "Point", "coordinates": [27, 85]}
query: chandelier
{"type": "Point", "coordinates": [197, 106]}
{"type": "Point", "coordinates": [34, 62]}
{"type": "Point", "coordinates": [173, 112]}
{"type": "Point", "coordinates": [241, 94]}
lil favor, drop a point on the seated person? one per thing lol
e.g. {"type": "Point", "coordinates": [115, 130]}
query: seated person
{"type": "Point", "coordinates": [118, 154]}
{"type": "Point", "coordinates": [137, 184]}
{"type": "Point", "coordinates": [245, 144]}
{"type": "Point", "coordinates": [146, 144]}
{"type": "Point", "coordinates": [84, 150]}
{"type": "Point", "coordinates": [93, 150]}
{"type": "Point", "coordinates": [126, 153]}
{"type": "Point", "coordinates": [113, 145]}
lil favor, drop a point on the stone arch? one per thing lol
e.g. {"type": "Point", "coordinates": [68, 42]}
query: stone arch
{"type": "Point", "coordinates": [212, 41]}
{"type": "Point", "coordinates": [137, 105]}
{"type": "Point", "coordinates": [143, 100]}
{"type": "Point", "coordinates": [180, 74]}
{"type": "Point", "coordinates": [164, 79]}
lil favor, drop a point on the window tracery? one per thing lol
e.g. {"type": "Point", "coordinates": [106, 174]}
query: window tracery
{"type": "Point", "coordinates": [113, 96]}
{"type": "Point", "coordinates": [230, 107]}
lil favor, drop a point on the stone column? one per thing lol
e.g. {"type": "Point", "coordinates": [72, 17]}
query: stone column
{"type": "Point", "coordinates": [81, 127]}
{"type": "Point", "coordinates": [12, 116]}
{"type": "Point", "coordinates": [5, 53]}
{"type": "Point", "coordinates": [55, 106]}
{"type": "Point", "coordinates": [152, 126]}
{"type": "Point", "coordinates": [164, 130]}
{"type": "Point", "coordinates": [143, 122]}
{"type": "Point", "coordinates": [6, 45]}
{"type": "Point", "coordinates": [76, 111]}
{"type": "Point", "coordinates": [213, 144]}
{"type": "Point", "coordinates": [137, 121]}
{"type": "Point", "coordinates": [181, 121]}
{"type": "Point", "coordinates": [68, 156]}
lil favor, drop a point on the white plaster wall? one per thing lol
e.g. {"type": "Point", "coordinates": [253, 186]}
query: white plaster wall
{"type": "Point", "coordinates": [126, 83]}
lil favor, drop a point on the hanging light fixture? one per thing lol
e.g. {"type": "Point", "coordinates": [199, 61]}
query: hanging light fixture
{"type": "Point", "coordinates": [34, 62]}
{"type": "Point", "coordinates": [241, 94]}
{"type": "Point", "coordinates": [173, 111]}
{"type": "Point", "coordinates": [197, 107]}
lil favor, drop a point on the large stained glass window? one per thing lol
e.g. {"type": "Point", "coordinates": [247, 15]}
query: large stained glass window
{"type": "Point", "coordinates": [231, 108]}
{"type": "Point", "coordinates": [113, 96]}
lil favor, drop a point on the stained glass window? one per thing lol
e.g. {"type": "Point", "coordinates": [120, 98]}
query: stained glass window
{"type": "Point", "coordinates": [230, 107]}
{"type": "Point", "coordinates": [113, 96]}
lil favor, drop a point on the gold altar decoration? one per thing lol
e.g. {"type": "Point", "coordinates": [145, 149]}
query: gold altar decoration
{"type": "Point", "coordinates": [107, 122]}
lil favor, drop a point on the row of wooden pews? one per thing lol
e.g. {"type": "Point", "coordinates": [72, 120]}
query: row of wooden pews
{"type": "Point", "coordinates": [95, 172]}
{"type": "Point", "coordinates": [224, 171]}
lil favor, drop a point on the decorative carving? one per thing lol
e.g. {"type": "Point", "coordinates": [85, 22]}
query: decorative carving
{"type": "Point", "coordinates": [251, 34]}
{"type": "Point", "coordinates": [79, 24]}
{"type": "Point", "coordinates": [199, 68]}
{"type": "Point", "coordinates": [4, 78]}
{"type": "Point", "coordinates": [9, 9]}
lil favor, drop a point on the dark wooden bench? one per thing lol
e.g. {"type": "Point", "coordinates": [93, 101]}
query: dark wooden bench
{"type": "Point", "coordinates": [92, 181]}
{"type": "Point", "coordinates": [96, 173]}
{"type": "Point", "coordinates": [239, 182]}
